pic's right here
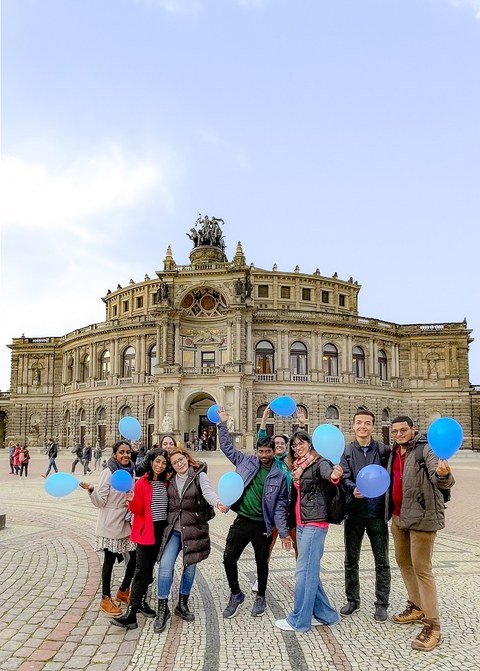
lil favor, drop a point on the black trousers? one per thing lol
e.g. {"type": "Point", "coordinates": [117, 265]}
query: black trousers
{"type": "Point", "coordinates": [107, 569]}
{"type": "Point", "coordinates": [147, 555]}
{"type": "Point", "coordinates": [242, 532]}
{"type": "Point", "coordinates": [377, 532]}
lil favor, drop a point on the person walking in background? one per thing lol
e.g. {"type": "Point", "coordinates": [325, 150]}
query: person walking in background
{"type": "Point", "coordinates": [11, 452]}
{"type": "Point", "coordinates": [77, 450]}
{"type": "Point", "coordinates": [24, 460]}
{"type": "Point", "coordinates": [87, 458]}
{"type": "Point", "coordinates": [312, 475]}
{"type": "Point", "coordinates": [52, 453]}
{"type": "Point", "coordinates": [149, 505]}
{"type": "Point", "coordinates": [97, 456]}
{"type": "Point", "coordinates": [416, 506]}
{"type": "Point", "coordinates": [112, 534]}
{"type": "Point", "coordinates": [186, 531]}
{"type": "Point", "coordinates": [365, 515]}
{"type": "Point", "coordinates": [261, 507]}
{"type": "Point", "coordinates": [16, 458]}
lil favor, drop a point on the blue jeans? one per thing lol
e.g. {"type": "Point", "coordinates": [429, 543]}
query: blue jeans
{"type": "Point", "coordinates": [309, 596]}
{"type": "Point", "coordinates": [166, 565]}
{"type": "Point", "coordinates": [51, 464]}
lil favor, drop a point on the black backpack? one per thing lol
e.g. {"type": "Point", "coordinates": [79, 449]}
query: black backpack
{"type": "Point", "coordinates": [420, 459]}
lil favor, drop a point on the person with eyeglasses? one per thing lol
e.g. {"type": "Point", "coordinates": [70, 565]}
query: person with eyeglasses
{"type": "Point", "coordinates": [416, 506]}
{"type": "Point", "coordinates": [112, 534]}
{"type": "Point", "coordinates": [186, 531]}
{"type": "Point", "coordinates": [311, 476]}
{"type": "Point", "coordinates": [365, 515]}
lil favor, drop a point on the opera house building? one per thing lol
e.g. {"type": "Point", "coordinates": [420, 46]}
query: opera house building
{"type": "Point", "coordinates": [221, 330]}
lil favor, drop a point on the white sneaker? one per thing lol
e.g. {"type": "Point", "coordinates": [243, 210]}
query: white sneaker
{"type": "Point", "coordinates": [255, 586]}
{"type": "Point", "coordinates": [283, 624]}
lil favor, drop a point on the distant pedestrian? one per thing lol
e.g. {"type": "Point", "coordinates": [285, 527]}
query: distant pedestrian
{"type": "Point", "coordinates": [11, 452]}
{"type": "Point", "coordinates": [77, 450]}
{"type": "Point", "coordinates": [97, 456]}
{"type": "Point", "coordinates": [52, 453]}
{"type": "Point", "coordinates": [24, 459]}
{"type": "Point", "coordinates": [87, 458]}
{"type": "Point", "coordinates": [16, 458]}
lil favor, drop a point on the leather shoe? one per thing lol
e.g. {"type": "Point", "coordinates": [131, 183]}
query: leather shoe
{"type": "Point", "coordinates": [349, 608]}
{"type": "Point", "coordinates": [380, 614]}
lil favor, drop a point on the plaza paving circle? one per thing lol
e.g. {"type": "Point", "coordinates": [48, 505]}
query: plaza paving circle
{"type": "Point", "coordinates": [50, 581]}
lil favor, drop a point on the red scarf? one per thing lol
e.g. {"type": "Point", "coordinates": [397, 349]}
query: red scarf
{"type": "Point", "coordinates": [301, 463]}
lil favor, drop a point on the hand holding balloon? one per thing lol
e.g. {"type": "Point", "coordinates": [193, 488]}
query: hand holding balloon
{"type": "Point", "coordinates": [443, 468]}
{"type": "Point", "coordinates": [213, 413]}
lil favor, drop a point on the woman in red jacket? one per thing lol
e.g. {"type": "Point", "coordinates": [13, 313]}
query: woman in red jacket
{"type": "Point", "coordinates": [149, 504]}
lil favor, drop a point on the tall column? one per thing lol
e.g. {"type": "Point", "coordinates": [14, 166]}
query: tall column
{"type": "Point", "coordinates": [221, 396]}
{"type": "Point", "coordinates": [279, 352]}
{"type": "Point", "coordinates": [176, 337]}
{"type": "Point", "coordinates": [159, 345]}
{"type": "Point", "coordinates": [115, 363]}
{"type": "Point", "coordinates": [138, 355]}
{"type": "Point", "coordinates": [238, 337]}
{"type": "Point", "coordinates": [286, 362]}
{"type": "Point", "coordinates": [371, 366]}
{"type": "Point", "coordinates": [319, 351]}
{"type": "Point", "coordinates": [229, 341]}
{"type": "Point", "coordinates": [165, 342]}
{"type": "Point", "coordinates": [349, 353]}
{"type": "Point", "coordinates": [176, 409]}
{"type": "Point", "coordinates": [249, 409]}
{"type": "Point", "coordinates": [76, 366]}
{"type": "Point", "coordinates": [94, 361]}
{"type": "Point", "coordinates": [345, 355]}
{"type": "Point", "coordinates": [237, 408]}
{"type": "Point", "coordinates": [160, 408]}
{"type": "Point", "coordinates": [249, 340]}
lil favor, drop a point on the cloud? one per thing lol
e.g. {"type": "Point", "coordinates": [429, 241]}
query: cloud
{"type": "Point", "coordinates": [474, 4]}
{"type": "Point", "coordinates": [40, 196]}
{"type": "Point", "coordinates": [185, 7]}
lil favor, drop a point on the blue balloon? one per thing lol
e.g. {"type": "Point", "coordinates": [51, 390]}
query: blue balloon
{"type": "Point", "coordinates": [445, 436]}
{"type": "Point", "coordinates": [283, 405]}
{"type": "Point", "coordinates": [329, 442]}
{"type": "Point", "coordinates": [212, 413]}
{"type": "Point", "coordinates": [61, 484]}
{"type": "Point", "coordinates": [122, 481]}
{"type": "Point", "coordinates": [373, 481]}
{"type": "Point", "coordinates": [230, 488]}
{"type": "Point", "coordinates": [130, 428]}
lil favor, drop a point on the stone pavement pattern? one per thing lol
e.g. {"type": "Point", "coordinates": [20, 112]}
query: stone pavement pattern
{"type": "Point", "coordinates": [51, 579]}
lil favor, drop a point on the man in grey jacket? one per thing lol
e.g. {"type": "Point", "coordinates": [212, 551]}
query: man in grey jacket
{"type": "Point", "coordinates": [417, 507]}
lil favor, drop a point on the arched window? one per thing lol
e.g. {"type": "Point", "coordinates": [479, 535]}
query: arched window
{"type": "Point", "coordinates": [332, 415]}
{"type": "Point", "coordinates": [85, 368]}
{"type": "Point", "coordinates": [128, 362]}
{"type": "Point", "coordinates": [386, 426]}
{"type": "Point", "coordinates": [382, 365]}
{"type": "Point", "coordinates": [330, 360]}
{"type": "Point", "coordinates": [101, 421]}
{"type": "Point", "coordinates": [126, 411]}
{"type": "Point", "coordinates": [104, 365]}
{"type": "Point", "coordinates": [150, 426]}
{"type": "Point", "coordinates": [358, 360]}
{"type": "Point", "coordinates": [270, 427]}
{"type": "Point", "coordinates": [152, 360]}
{"type": "Point", "coordinates": [69, 371]}
{"type": "Point", "coordinates": [298, 358]}
{"type": "Point", "coordinates": [264, 361]}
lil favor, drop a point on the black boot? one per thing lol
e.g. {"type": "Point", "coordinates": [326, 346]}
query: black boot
{"type": "Point", "coordinates": [182, 608]}
{"type": "Point", "coordinates": [145, 608]}
{"type": "Point", "coordinates": [128, 620]}
{"type": "Point", "coordinates": [163, 613]}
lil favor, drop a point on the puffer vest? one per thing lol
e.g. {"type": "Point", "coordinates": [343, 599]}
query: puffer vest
{"type": "Point", "coordinates": [193, 525]}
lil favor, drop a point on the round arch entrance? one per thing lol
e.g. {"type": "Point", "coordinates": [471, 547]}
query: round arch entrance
{"type": "Point", "coordinates": [197, 425]}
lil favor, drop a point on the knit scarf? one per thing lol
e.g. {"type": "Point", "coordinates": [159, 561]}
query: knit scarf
{"type": "Point", "coordinates": [301, 463]}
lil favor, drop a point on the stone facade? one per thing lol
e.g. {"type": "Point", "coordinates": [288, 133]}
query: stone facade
{"type": "Point", "coordinates": [219, 331]}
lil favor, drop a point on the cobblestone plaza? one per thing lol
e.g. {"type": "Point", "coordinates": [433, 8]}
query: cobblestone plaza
{"type": "Point", "coordinates": [51, 591]}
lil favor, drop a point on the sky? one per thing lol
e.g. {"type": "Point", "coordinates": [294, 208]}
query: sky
{"type": "Point", "coordinates": [336, 134]}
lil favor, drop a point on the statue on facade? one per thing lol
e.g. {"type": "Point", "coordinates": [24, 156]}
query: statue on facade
{"type": "Point", "coordinates": [209, 232]}
{"type": "Point", "coordinates": [167, 424]}
{"type": "Point", "coordinates": [230, 425]}
{"type": "Point", "coordinates": [162, 293]}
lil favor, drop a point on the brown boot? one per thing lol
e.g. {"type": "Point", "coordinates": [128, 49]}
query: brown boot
{"type": "Point", "coordinates": [107, 605]}
{"type": "Point", "coordinates": [428, 638]}
{"type": "Point", "coordinates": [123, 595]}
{"type": "Point", "coordinates": [412, 613]}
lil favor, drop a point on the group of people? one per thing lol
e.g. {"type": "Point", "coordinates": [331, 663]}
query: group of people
{"type": "Point", "coordinates": [287, 490]}
{"type": "Point", "coordinates": [84, 456]}
{"type": "Point", "coordinates": [18, 459]}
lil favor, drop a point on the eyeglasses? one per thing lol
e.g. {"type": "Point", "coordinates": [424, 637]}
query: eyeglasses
{"type": "Point", "coordinates": [400, 432]}
{"type": "Point", "coordinates": [181, 460]}
{"type": "Point", "coordinates": [300, 443]}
